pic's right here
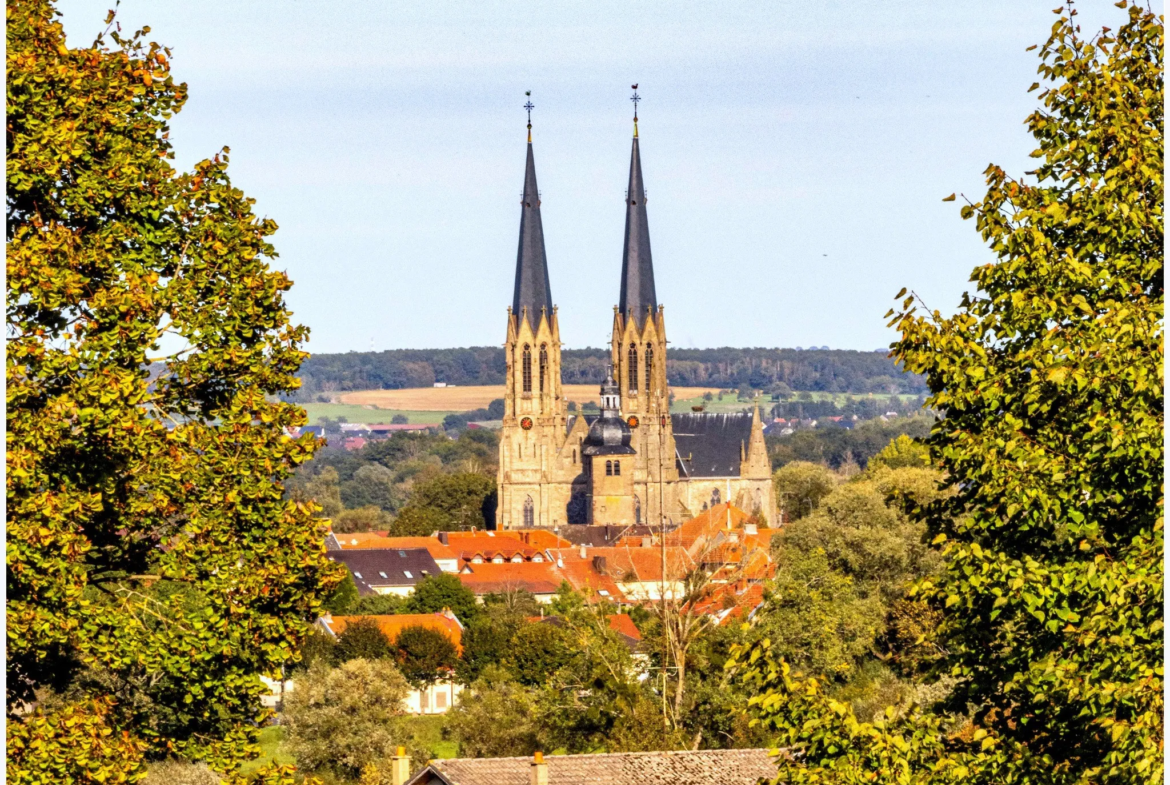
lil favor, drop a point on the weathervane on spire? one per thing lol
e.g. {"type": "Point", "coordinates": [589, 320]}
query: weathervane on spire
{"type": "Point", "coordinates": [529, 107]}
{"type": "Point", "coordinates": [635, 98]}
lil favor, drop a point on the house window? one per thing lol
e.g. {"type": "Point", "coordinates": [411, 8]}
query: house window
{"type": "Point", "coordinates": [384, 575]}
{"type": "Point", "coordinates": [609, 468]}
{"type": "Point", "coordinates": [526, 368]}
{"type": "Point", "coordinates": [574, 456]}
{"type": "Point", "coordinates": [402, 554]}
{"type": "Point", "coordinates": [529, 513]}
{"type": "Point", "coordinates": [441, 699]}
{"type": "Point", "coordinates": [633, 369]}
{"type": "Point", "coordinates": [543, 364]}
{"type": "Point", "coordinates": [649, 367]}
{"type": "Point", "coordinates": [637, 510]}
{"type": "Point", "coordinates": [497, 560]}
{"type": "Point", "coordinates": [358, 575]}
{"type": "Point", "coordinates": [617, 468]}
{"type": "Point", "coordinates": [407, 574]}
{"type": "Point", "coordinates": [517, 559]}
{"type": "Point", "coordinates": [424, 703]}
{"type": "Point", "coordinates": [714, 497]}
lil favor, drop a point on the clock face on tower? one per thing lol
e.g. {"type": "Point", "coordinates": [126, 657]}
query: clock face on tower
{"type": "Point", "coordinates": [526, 423]}
{"type": "Point", "coordinates": [632, 421]}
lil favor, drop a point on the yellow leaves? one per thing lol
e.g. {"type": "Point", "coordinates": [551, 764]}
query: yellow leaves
{"type": "Point", "coordinates": [950, 198]}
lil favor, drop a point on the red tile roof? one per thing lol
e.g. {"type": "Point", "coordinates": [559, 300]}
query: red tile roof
{"type": "Point", "coordinates": [487, 578]}
{"type": "Point", "coordinates": [391, 626]}
{"type": "Point", "coordinates": [621, 622]}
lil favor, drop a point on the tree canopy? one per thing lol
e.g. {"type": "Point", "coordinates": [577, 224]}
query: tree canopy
{"type": "Point", "coordinates": [155, 569]}
{"type": "Point", "coordinates": [1050, 376]}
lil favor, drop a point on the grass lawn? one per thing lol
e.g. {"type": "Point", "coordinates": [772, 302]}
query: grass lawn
{"type": "Point", "coordinates": [357, 413]}
{"type": "Point", "coordinates": [271, 751]}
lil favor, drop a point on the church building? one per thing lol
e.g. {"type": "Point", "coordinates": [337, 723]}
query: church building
{"type": "Point", "coordinates": [635, 463]}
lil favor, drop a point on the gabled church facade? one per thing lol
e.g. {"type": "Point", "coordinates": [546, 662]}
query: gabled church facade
{"type": "Point", "coordinates": [635, 463]}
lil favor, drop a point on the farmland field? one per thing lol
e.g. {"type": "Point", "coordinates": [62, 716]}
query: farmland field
{"type": "Point", "coordinates": [367, 414]}
{"type": "Point", "coordinates": [461, 399]}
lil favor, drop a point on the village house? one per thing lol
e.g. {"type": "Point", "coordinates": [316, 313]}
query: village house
{"type": "Point", "coordinates": [382, 571]}
{"type": "Point", "coordinates": [436, 698]}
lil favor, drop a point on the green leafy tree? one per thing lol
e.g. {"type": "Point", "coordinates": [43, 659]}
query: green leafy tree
{"type": "Point", "coordinates": [1051, 379]}
{"type": "Point", "coordinates": [399, 419]}
{"type": "Point", "coordinates": [373, 485]}
{"type": "Point", "coordinates": [319, 646]}
{"type": "Point", "coordinates": [364, 640]}
{"type": "Point", "coordinates": [418, 522]}
{"type": "Point", "coordinates": [487, 641]}
{"type": "Point", "coordinates": [363, 519]}
{"type": "Point", "coordinates": [424, 655]}
{"type": "Point", "coordinates": [154, 565]}
{"type": "Point", "coordinates": [436, 592]}
{"type": "Point", "coordinates": [343, 719]}
{"type": "Point", "coordinates": [494, 717]}
{"type": "Point", "coordinates": [537, 651]}
{"type": "Point", "coordinates": [902, 452]}
{"type": "Point", "coordinates": [800, 486]}
{"type": "Point", "coordinates": [343, 598]}
{"type": "Point", "coordinates": [380, 605]}
{"type": "Point", "coordinates": [324, 489]}
{"type": "Point", "coordinates": [465, 499]}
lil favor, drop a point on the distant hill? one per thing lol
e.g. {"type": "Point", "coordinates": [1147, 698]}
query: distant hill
{"type": "Point", "coordinates": [816, 370]}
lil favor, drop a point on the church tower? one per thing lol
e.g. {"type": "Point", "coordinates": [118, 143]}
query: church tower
{"type": "Point", "coordinates": [533, 429]}
{"type": "Point", "coordinates": [639, 357]}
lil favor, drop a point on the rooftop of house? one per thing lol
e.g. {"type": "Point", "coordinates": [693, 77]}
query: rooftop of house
{"type": "Point", "coordinates": [621, 623]}
{"type": "Point", "coordinates": [391, 626]}
{"type": "Point", "coordinates": [378, 541]}
{"type": "Point", "coordinates": [585, 575]}
{"type": "Point", "coordinates": [632, 565]}
{"type": "Point", "coordinates": [695, 767]}
{"type": "Point", "coordinates": [488, 578]}
{"type": "Point", "coordinates": [709, 444]}
{"type": "Point", "coordinates": [382, 568]}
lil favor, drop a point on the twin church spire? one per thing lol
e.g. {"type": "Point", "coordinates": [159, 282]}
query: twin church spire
{"type": "Point", "coordinates": [532, 294]}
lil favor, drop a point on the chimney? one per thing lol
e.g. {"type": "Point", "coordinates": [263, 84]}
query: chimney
{"type": "Point", "coordinates": [400, 768]}
{"type": "Point", "coordinates": [539, 772]}
{"type": "Point", "coordinates": [599, 564]}
{"type": "Point", "coordinates": [583, 551]}
{"type": "Point", "coordinates": [443, 537]}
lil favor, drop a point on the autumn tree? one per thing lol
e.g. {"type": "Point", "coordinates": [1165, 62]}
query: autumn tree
{"type": "Point", "coordinates": [424, 655]}
{"type": "Point", "coordinates": [1051, 380]}
{"type": "Point", "coordinates": [155, 570]}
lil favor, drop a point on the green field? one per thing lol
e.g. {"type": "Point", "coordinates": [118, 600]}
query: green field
{"type": "Point", "coordinates": [729, 402]}
{"type": "Point", "coordinates": [355, 413]}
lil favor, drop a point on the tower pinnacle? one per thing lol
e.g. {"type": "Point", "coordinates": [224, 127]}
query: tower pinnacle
{"type": "Point", "coordinates": [532, 295]}
{"type": "Point", "coordinates": [637, 293]}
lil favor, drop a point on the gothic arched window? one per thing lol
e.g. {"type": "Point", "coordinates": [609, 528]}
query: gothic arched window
{"type": "Point", "coordinates": [529, 513]}
{"type": "Point", "coordinates": [543, 364]}
{"type": "Point", "coordinates": [649, 367]}
{"type": "Point", "coordinates": [609, 468]}
{"type": "Point", "coordinates": [714, 497]}
{"type": "Point", "coordinates": [617, 468]}
{"type": "Point", "coordinates": [637, 511]}
{"type": "Point", "coordinates": [633, 369]}
{"type": "Point", "coordinates": [526, 368]}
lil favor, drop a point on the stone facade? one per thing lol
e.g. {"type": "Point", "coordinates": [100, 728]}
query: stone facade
{"type": "Point", "coordinates": [675, 466]}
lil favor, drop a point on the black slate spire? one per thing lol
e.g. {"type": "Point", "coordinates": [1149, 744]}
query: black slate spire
{"type": "Point", "coordinates": [532, 291]}
{"type": "Point", "coordinates": [637, 270]}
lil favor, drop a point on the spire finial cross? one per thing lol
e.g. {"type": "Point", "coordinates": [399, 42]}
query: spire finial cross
{"type": "Point", "coordinates": [635, 98]}
{"type": "Point", "coordinates": [528, 106]}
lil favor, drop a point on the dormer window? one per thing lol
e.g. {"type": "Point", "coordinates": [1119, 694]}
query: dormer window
{"type": "Point", "coordinates": [498, 560]}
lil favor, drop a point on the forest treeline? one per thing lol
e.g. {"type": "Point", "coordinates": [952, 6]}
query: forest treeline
{"type": "Point", "coordinates": [817, 370]}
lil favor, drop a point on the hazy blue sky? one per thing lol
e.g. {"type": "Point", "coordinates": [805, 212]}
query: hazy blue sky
{"type": "Point", "coordinates": [795, 154]}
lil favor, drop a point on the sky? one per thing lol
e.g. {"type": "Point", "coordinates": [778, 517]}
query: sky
{"type": "Point", "coordinates": [795, 154]}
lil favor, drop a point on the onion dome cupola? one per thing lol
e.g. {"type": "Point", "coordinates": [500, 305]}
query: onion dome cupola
{"type": "Point", "coordinates": [609, 434]}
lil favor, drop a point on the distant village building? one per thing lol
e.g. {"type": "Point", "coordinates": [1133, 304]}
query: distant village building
{"type": "Point", "coordinates": [634, 463]}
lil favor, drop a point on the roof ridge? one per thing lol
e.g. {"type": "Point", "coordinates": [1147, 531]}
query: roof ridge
{"type": "Point", "coordinates": [553, 756]}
